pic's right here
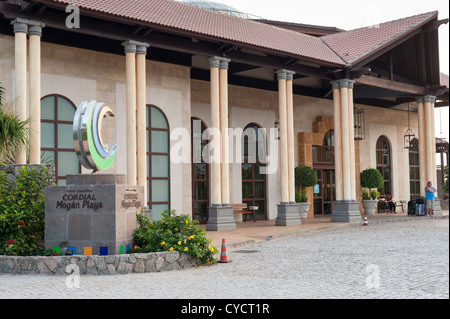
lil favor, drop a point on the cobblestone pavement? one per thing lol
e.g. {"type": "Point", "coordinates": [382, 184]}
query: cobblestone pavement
{"type": "Point", "coordinates": [392, 260]}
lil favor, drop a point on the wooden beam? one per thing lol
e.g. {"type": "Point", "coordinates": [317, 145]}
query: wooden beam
{"type": "Point", "coordinates": [392, 85]}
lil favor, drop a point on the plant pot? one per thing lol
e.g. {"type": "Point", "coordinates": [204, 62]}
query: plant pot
{"type": "Point", "coordinates": [303, 209]}
{"type": "Point", "coordinates": [370, 206]}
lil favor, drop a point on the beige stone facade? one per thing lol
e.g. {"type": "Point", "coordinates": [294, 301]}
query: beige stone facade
{"type": "Point", "coordinates": [80, 75]}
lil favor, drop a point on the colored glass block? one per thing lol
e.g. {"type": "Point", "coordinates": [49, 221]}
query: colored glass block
{"type": "Point", "coordinates": [121, 250]}
{"type": "Point", "coordinates": [57, 250]}
{"type": "Point", "coordinates": [103, 251]}
{"type": "Point", "coordinates": [74, 250]}
{"type": "Point", "coordinates": [88, 251]}
{"type": "Point", "coordinates": [126, 250]}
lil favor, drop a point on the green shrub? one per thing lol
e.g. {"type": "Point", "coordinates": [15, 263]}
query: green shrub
{"type": "Point", "coordinates": [305, 177]}
{"type": "Point", "coordinates": [375, 194]}
{"type": "Point", "coordinates": [371, 178]}
{"type": "Point", "coordinates": [365, 195]}
{"type": "Point", "coordinates": [173, 233]}
{"type": "Point", "coordinates": [22, 212]}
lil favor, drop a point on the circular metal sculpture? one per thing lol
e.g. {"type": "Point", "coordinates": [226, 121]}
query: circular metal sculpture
{"type": "Point", "coordinates": [87, 136]}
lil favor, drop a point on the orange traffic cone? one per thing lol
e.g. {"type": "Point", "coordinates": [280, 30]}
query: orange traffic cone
{"type": "Point", "coordinates": [223, 254]}
{"type": "Point", "coordinates": [366, 222]}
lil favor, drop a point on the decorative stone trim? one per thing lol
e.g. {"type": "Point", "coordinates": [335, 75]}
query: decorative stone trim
{"type": "Point", "coordinates": [97, 265]}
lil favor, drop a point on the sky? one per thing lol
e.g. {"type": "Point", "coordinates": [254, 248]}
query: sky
{"type": "Point", "coordinates": [352, 14]}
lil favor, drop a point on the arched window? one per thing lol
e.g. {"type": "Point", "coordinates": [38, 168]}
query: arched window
{"type": "Point", "coordinates": [158, 161]}
{"type": "Point", "coordinates": [414, 170]}
{"type": "Point", "coordinates": [253, 182]}
{"type": "Point", "coordinates": [57, 146]}
{"type": "Point", "coordinates": [384, 163]}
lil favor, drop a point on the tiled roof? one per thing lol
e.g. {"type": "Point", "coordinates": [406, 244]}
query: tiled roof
{"type": "Point", "coordinates": [190, 19]}
{"type": "Point", "coordinates": [340, 49]}
{"type": "Point", "coordinates": [352, 46]}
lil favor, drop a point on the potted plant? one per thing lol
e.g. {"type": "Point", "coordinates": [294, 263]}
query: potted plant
{"type": "Point", "coordinates": [372, 180]}
{"type": "Point", "coordinates": [305, 177]}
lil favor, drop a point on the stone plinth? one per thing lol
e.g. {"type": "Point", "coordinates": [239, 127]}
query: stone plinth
{"type": "Point", "coordinates": [346, 212]}
{"type": "Point", "coordinates": [221, 218]}
{"type": "Point", "coordinates": [288, 215]}
{"type": "Point", "coordinates": [96, 214]}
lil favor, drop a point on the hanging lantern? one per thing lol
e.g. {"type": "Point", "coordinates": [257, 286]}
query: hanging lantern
{"type": "Point", "coordinates": [409, 136]}
{"type": "Point", "coordinates": [359, 124]}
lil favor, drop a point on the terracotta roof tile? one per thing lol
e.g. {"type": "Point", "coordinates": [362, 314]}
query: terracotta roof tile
{"type": "Point", "coordinates": [354, 45]}
{"type": "Point", "coordinates": [180, 16]}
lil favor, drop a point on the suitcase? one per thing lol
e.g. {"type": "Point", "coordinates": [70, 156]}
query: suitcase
{"type": "Point", "coordinates": [411, 208]}
{"type": "Point", "coordinates": [420, 209]}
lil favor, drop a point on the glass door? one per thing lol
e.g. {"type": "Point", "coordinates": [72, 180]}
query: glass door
{"type": "Point", "coordinates": [200, 173]}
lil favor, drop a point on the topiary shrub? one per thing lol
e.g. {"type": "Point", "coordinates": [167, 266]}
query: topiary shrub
{"type": "Point", "coordinates": [305, 177]}
{"type": "Point", "coordinates": [371, 178]}
{"type": "Point", "coordinates": [173, 233]}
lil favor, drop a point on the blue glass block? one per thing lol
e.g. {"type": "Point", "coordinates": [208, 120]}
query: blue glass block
{"type": "Point", "coordinates": [74, 249]}
{"type": "Point", "coordinates": [126, 249]}
{"type": "Point", "coordinates": [103, 251]}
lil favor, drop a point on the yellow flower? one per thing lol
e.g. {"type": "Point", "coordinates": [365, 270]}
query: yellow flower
{"type": "Point", "coordinates": [171, 249]}
{"type": "Point", "coordinates": [163, 243]}
{"type": "Point", "coordinates": [185, 241]}
{"type": "Point", "coordinates": [176, 229]}
{"type": "Point", "coordinates": [179, 242]}
{"type": "Point", "coordinates": [186, 249]}
{"type": "Point", "coordinates": [187, 222]}
{"type": "Point", "coordinates": [162, 217]}
{"type": "Point", "coordinates": [198, 244]}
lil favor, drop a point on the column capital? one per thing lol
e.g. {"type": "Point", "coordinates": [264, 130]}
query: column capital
{"type": "Point", "coordinates": [285, 74]}
{"type": "Point", "coordinates": [25, 26]}
{"type": "Point", "coordinates": [218, 62]}
{"type": "Point", "coordinates": [419, 99]}
{"type": "Point", "coordinates": [132, 46]}
{"type": "Point", "coordinates": [429, 99]}
{"type": "Point", "coordinates": [342, 83]}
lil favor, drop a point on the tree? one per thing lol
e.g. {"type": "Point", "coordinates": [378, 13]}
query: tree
{"type": "Point", "coordinates": [13, 133]}
{"type": "Point", "coordinates": [445, 186]}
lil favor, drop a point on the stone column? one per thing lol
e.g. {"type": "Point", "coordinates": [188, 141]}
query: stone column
{"type": "Point", "coordinates": [430, 149]}
{"type": "Point", "coordinates": [20, 100]}
{"type": "Point", "coordinates": [130, 52]}
{"type": "Point", "coordinates": [290, 135]}
{"type": "Point", "coordinates": [346, 208]}
{"type": "Point", "coordinates": [422, 146]}
{"type": "Point", "coordinates": [216, 183]}
{"type": "Point", "coordinates": [35, 33]}
{"type": "Point", "coordinates": [223, 93]}
{"type": "Point", "coordinates": [288, 211]}
{"type": "Point", "coordinates": [429, 134]}
{"type": "Point", "coordinates": [221, 215]}
{"type": "Point", "coordinates": [337, 141]}
{"type": "Point", "coordinates": [284, 156]}
{"type": "Point", "coordinates": [351, 137]}
{"type": "Point", "coordinates": [141, 118]}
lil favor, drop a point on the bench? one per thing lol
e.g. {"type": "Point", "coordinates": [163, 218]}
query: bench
{"type": "Point", "coordinates": [242, 209]}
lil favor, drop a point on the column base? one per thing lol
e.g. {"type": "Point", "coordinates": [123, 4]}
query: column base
{"type": "Point", "coordinates": [346, 212]}
{"type": "Point", "coordinates": [221, 218]}
{"type": "Point", "coordinates": [437, 209]}
{"type": "Point", "coordinates": [288, 215]}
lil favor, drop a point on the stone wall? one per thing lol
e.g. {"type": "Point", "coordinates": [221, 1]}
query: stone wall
{"type": "Point", "coordinates": [96, 265]}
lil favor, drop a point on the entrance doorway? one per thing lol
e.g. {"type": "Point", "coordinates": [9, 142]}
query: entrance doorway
{"type": "Point", "coordinates": [323, 164]}
{"type": "Point", "coordinates": [200, 173]}
{"type": "Point", "coordinates": [323, 199]}
{"type": "Point", "coordinates": [253, 182]}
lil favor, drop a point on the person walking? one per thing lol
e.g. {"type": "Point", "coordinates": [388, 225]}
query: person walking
{"type": "Point", "coordinates": [429, 198]}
